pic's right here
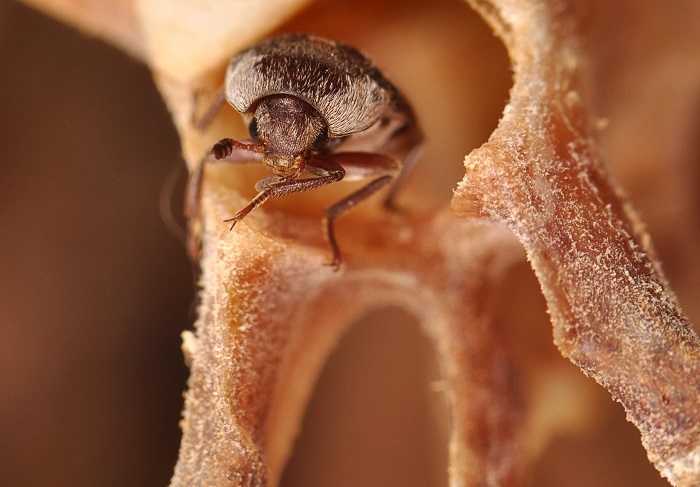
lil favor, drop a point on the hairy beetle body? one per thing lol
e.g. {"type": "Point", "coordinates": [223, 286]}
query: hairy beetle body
{"type": "Point", "coordinates": [319, 107]}
{"type": "Point", "coordinates": [342, 84]}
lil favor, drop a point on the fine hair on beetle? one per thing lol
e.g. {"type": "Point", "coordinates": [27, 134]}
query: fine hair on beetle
{"type": "Point", "coordinates": [317, 111]}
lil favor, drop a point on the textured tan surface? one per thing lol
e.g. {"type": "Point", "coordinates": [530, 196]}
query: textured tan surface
{"type": "Point", "coordinates": [613, 314]}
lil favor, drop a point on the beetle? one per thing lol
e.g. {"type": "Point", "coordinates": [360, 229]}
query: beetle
{"type": "Point", "coordinates": [317, 107]}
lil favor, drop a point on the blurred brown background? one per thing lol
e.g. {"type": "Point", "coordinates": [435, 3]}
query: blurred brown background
{"type": "Point", "coordinates": [95, 290]}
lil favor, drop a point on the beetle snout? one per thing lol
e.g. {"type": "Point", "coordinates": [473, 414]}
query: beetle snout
{"type": "Point", "coordinates": [283, 164]}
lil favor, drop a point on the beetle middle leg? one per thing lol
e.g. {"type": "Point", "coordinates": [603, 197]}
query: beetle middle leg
{"type": "Point", "coordinates": [217, 102]}
{"type": "Point", "coordinates": [406, 145]}
{"type": "Point", "coordinates": [399, 137]}
{"type": "Point", "coordinates": [359, 165]}
{"type": "Point", "coordinates": [344, 206]}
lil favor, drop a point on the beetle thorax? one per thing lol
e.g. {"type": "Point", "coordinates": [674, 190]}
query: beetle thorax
{"type": "Point", "coordinates": [290, 128]}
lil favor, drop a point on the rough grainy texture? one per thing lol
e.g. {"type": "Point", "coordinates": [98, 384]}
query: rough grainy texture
{"type": "Point", "coordinates": [271, 312]}
{"type": "Point", "coordinates": [613, 313]}
{"type": "Point", "coordinates": [275, 312]}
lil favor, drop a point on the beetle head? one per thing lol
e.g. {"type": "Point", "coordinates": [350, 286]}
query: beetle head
{"type": "Point", "coordinates": [290, 128]}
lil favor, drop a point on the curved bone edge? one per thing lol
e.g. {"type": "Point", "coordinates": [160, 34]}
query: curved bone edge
{"type": "Point", "coordinates": [115, 21]}
{"type": "Point", "coordinates": [612, 310]}
{"type": "Point", "coordinates": [173, 31]}
{"type": "Point", "coordinates": [271, 313]}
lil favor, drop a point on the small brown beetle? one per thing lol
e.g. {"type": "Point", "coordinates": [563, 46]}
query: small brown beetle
{"type": "Point", "coordinates": [317, 106]}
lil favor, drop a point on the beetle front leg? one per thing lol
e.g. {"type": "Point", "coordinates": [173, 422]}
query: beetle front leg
{"type": "Point", "coordinates": [226, 150]}
{"type": "Point", "coordinates": [276, 188]}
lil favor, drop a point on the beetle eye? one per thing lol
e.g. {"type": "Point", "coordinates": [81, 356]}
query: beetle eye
{"type": "Point", "coordinates": [253, 129]}
{"type": "Point", "coordinates": [321, 140]}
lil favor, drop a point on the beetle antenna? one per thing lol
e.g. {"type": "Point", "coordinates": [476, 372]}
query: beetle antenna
{"type": "Point", "coordinates": [224, 148]}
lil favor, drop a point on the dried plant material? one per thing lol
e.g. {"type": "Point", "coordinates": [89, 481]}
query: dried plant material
{"type": "Point", "coordinates": [546, 123]}
{"type": "Point", "coordinates": [271, 311]}
{"type": "Point", "coordinates": [270, 351]}
{"type": "Point", "coordinates": [185, 39]}
{"type": "Point", "coordinates": [611, 308]}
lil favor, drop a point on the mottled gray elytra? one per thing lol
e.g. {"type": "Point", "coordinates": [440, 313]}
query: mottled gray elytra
{"type": "Point", "coordinates": [316, 107]}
